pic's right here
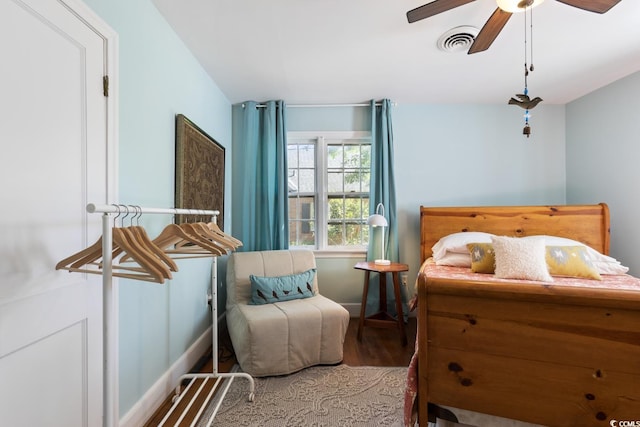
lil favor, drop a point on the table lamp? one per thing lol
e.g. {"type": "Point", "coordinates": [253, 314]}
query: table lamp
{"type": "Point", "coordinates": [378, 220]}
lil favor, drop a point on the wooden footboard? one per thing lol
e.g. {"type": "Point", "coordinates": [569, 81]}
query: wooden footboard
{"type": "Point", "coordinates": [570, 357]}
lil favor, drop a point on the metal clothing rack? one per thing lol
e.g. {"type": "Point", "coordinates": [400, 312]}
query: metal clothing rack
{"type": "Point", "coordinates": [110, 321]}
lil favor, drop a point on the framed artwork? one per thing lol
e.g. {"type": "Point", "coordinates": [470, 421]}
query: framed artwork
{"type": "Point", "coordinates": [199, 181]}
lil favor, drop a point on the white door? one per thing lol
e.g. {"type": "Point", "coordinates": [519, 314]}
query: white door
{"type": "Point", "coordinates": [54, 122]}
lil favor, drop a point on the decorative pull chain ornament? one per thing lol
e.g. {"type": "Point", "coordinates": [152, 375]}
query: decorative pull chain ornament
{"type": "Point", "coordinates": [523, 100]}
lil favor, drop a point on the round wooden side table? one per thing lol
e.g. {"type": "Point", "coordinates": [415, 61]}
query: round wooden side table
{"type": "Point", "coordinates": [382, 319]}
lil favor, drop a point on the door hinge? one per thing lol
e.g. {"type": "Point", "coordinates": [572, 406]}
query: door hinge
{"type": "Point", "coordinates": [105, 85]}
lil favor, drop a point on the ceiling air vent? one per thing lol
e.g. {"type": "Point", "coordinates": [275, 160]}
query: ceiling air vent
{"type": "Point", "coordinates": [458, 39]}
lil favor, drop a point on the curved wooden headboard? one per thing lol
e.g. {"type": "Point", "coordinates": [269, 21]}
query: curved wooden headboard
{"type": "Point", "coordinates": [588, 224]}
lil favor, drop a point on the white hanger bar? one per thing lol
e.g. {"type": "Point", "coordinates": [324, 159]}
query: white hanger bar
{"type": "Point", "coordinates": [94, 208]}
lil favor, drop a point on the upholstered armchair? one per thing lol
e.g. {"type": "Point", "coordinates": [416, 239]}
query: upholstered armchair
{"type": "Point", "coordinates": [281, 324]}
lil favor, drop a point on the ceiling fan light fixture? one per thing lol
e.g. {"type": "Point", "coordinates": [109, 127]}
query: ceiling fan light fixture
{"type": "Point", "coordinates": [515, 6]}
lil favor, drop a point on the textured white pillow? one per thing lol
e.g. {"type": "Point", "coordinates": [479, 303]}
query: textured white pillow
{"type": "Point", "coordinates": [457, 243]}
{"type": "Point", "coordinates": [520, 258]}
{"type": "Point", "coordinates": [603, 263]}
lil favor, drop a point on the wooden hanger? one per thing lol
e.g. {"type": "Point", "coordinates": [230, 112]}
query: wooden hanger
{"type": "Point", "coordinates": [126, 240]}
{"type": "Point", "coordinates": [147, 271]}
{"type": "Point", "coordinates": [91, 253]}
{"type": "Point", "coordinates": [201, 230]}
{"type": "Point", "coordinates": [140, 241]}
{"type": "Point", "coordinates": [151, 267]}
{"type": "Point", "coordinates": [88, 255]}
{"type": "Point", "coordinates": [157, 251]}
{"type": "Point", "coordinates": [223, 238]}
{"type": "Point", "coordinates": [142, 236]}
{"type": "Point", "coordinates": [173, 234]}
{"type": "Point", "coordinates": [215, 229]}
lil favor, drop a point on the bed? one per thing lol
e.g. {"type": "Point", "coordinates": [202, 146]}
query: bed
{"type": "Point", "coordinates": [561, 353]}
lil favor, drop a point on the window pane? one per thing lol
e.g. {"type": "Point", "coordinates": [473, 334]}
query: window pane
{"type": "Point", "coordinates": [354, 234]}
{"type": "Point", "coordinates": [334, 156]}
{"type": "Point", "coordinates": [352, 180]}
{"type": "Point", "coordinates": [301, 173]}
{"type": "Point", "coordinates": [294, 183]}
{"type": "Point", "coordinates": [365, 156]}
{"type": "Point", "coordinates": [307, 156]}
{"type": "Point", "coordinates": [353, 209]}
{"type": "Point", "coordinates": [335, 181]}
{"type": "Point", "coordinates": [292, 155]}
{"type": "Point", "coordinates": [352, 156]}
{"type": "Point", "coordinates": [307, 238]}
{"type": "Point", "coordinates": [301, 221]}
{"type": "Point", "coordinates": [365, 179]}
{"type": "Point", "coordinates": [307, 182]}
{"type": "Point", "coordinates": [334, 235]}
{"type": "Point", "coordinates": [336, 209]}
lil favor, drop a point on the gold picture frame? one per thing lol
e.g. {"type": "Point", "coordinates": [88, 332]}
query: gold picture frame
{"type": "Point", "coordinates": [199, 177]}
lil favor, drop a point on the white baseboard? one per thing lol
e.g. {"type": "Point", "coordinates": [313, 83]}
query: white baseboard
{"type": "Point", "coordinates": [156, 395]}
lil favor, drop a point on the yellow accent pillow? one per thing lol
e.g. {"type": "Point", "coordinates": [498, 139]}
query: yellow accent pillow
{"type": "Point", "coordinates": [571, 261]}
{"type": "Point", "coordinates": [483, 259]}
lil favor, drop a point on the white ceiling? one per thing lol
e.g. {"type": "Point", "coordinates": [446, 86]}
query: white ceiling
{"type": "Point", "coordinates": [347, 51]}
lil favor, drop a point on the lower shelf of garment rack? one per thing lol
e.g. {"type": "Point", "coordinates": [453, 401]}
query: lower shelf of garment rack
{"type": "Point", "coordinates": [203, 391]}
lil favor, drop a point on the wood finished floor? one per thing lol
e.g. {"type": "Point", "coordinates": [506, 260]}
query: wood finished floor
{"type": "Point", "coordinates": [379, 347]}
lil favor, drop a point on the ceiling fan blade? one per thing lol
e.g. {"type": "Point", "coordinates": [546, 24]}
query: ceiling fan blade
{"type": "Point", "coordinates": [434, 8]}
{"type": "Point", "coordinates": [490, 31]}
{"type": "Point", "coordinates": [597, 6]}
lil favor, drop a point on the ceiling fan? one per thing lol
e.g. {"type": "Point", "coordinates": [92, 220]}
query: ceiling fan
{"type": "Point", "coordinates": [499, 18]}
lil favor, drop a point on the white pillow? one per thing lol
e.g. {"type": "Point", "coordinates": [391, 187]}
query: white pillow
{"type": "Point", "coordinates": [457, 243]}
{"type": "Point", "coordinates": [520, 258]}
{"type": "Point", "coordinates": [454, 259]}
{"type": "Point", "coordinates": [609, 267]}
{"type": "Point", "coordinates": [603, 263]}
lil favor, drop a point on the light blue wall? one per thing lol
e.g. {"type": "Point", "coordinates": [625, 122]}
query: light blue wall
{"type": "Point", "coordinates": [445, 155]}
{"type": "Point", "coordinates": [158, 78]}
{"type": "Point", "coordinates": [463, 155]}
{"type": "Point", "coordinates": [450, 155]}
{"type": "Point", "coordinates": [603, 149]}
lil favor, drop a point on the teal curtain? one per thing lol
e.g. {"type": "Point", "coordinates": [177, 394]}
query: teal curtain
{"type": "Point", "coordinates": [383, 190]}
{"type": "Point", "coordinates": [262, 210]}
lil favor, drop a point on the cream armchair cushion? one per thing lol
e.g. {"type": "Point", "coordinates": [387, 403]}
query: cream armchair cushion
{"type": "Point", "coordinates": [281, 337]}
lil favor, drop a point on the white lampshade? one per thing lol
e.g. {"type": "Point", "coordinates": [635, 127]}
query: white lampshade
{"type": "Point", "coordinates": [378, 220]}
{"type": "Point", "coordinates": [515, 6]}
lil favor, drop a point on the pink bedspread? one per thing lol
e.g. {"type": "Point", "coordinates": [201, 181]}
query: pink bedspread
{"type": "Point", "coordinates": [620, 282]}
{"type": "Point", "coordinates": [623, 282]}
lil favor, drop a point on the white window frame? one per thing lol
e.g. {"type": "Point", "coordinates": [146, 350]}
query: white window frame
{"type": "Point", "coordinates": [323, 138]}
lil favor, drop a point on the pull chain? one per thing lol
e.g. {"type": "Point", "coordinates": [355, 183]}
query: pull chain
{"type": "Point", "coordinates": [526, 68]}
{"type": "Point", "coordinates": [522, 100]}
{"type": "Point", "coordinates": [531, 35]}
{"type": "Point", "coordinates": [527, 128]}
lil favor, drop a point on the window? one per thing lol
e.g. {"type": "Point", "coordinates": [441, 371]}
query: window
{"type": "Point", "coordinates": [329, 177]}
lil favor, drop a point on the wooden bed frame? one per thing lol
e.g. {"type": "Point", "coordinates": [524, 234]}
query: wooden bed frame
{"type": "Point", "coordinates": [552, 355]}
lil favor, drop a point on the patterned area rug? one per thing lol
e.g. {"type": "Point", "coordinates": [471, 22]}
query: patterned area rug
{"type": "Point", "coordinates": [331, 396]}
